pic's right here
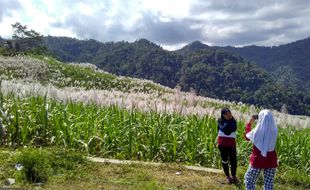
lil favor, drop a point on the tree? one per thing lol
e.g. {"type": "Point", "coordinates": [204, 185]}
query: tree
{"type": "Point", "coordinates": [21, 32]}
{"type": "Point", "coordinates": [26, 41]}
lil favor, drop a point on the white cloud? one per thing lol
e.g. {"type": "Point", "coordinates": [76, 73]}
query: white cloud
{"type": "Point", "coordinates": [166, 22]}
{"type": "Point", "coordinates": [168, 8]}
{"type": "Point", "coordinates": [174, 47]}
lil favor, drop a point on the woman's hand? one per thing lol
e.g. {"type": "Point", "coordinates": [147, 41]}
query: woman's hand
{"type": "Point", "coordinates": [252, 120]}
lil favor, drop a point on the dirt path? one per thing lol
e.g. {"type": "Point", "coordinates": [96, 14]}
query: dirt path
{"type": "Point", "coordinates": [115, 161]}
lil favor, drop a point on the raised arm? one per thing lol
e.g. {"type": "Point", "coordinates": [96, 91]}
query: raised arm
{"type": "Point", "coordinates": [248, 128]}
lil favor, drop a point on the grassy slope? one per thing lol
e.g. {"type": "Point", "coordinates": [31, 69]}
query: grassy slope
{"type": "Point", "coordinates": [85, 78]}
{"type": "Point", "coordinates": [46, 70]}
{"type": "Point", "coordinates": [88, 175]}
{"type": "Point", "coordinates": [140, 177]}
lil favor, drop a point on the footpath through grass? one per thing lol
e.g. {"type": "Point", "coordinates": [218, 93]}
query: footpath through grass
{"type": "Point", "coordinates": [67, 169]}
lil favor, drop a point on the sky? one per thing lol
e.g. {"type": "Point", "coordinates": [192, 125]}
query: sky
{"type": "Point", "coordinates": [169, 23]}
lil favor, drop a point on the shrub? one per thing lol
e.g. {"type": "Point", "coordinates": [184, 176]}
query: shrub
{"type": "Point", "coordinates": [65, 159]}
{"type": "Point", "coordinates": [36, 165]}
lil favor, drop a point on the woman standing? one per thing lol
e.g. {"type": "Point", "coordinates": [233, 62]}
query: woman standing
{"type": "Point", "coordinates": [263, 156]}
{"type": "Point", "coordinates": [227, 127]}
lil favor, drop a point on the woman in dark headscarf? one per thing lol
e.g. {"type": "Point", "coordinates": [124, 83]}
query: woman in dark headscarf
{"type": "Point", "coordinates": [227, 127]}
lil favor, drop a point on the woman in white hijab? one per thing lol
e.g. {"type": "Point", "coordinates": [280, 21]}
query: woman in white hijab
{"type": "Point", "coordinates": [264, 156]}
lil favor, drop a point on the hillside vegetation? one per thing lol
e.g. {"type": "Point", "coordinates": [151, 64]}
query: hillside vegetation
{"type": "Point", "coordinates": [211, 72]}
{"type": "Point", "coordinates": [82, 82]}
{"type": "Point", "coordinates": [288, 63]}
{"type": "Point", "coordinates": [41, 106]}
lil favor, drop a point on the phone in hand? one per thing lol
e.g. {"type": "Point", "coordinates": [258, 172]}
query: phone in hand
{"type": "Point", "coordinates": [255, 117]}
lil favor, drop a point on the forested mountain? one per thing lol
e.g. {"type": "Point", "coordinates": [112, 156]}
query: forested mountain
{"type": "Point", "coordinates": [192, 47]}
{"type": "Point", "coordinates": [141, 59]}
{"type": "Point", "coordinates": [70, 49]}
{"type": "Point", "coordinates": [289, 64]}
{"type": "Point", "coordinates": [216, 73]}
{"type": "Point", "coordinates": [210, 71]}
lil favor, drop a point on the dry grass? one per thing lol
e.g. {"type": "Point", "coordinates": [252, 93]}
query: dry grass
{"type": "Point", "coordinates": [138, 177]}
{"type": "Point", "coordinates": [109, 176]}
{"type": "Point", "coordinates": [91, 175]}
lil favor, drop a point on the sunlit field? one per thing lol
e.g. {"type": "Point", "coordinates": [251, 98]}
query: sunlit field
{"type": "Point", "coordinates": [149, 123]}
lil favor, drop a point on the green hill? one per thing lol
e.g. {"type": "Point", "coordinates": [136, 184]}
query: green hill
{"type": "Point", "coordinates": [141, 59]}
{"type": "Point", "coordinates": [209, 71]}
{"type": "Point", "coordinates": [288, 63]}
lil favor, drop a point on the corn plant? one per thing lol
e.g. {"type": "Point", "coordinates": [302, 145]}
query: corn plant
{"type": "Point", "coordinates": [111, 131]}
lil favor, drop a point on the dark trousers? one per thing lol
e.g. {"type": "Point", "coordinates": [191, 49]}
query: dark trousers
{"type": "Point", "coordinates": [229, 153]}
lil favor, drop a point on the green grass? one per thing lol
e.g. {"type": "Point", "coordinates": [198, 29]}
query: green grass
{"type": "Point", "coordinates": [118, 133]}
{"type": "Point", "coordinates": [40, 164]}
{"type": "Point", "coordinates": [68, 169]}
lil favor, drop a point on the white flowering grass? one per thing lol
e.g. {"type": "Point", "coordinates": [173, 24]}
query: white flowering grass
{"type": "Point", "coordinates": [177, 102]}
{"type": "Point", "coordinates": [50, 71]}
{"type": "Point", "coordinates": [84, 82]}
{"type": "Point", "coordinates": [129, 133]}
